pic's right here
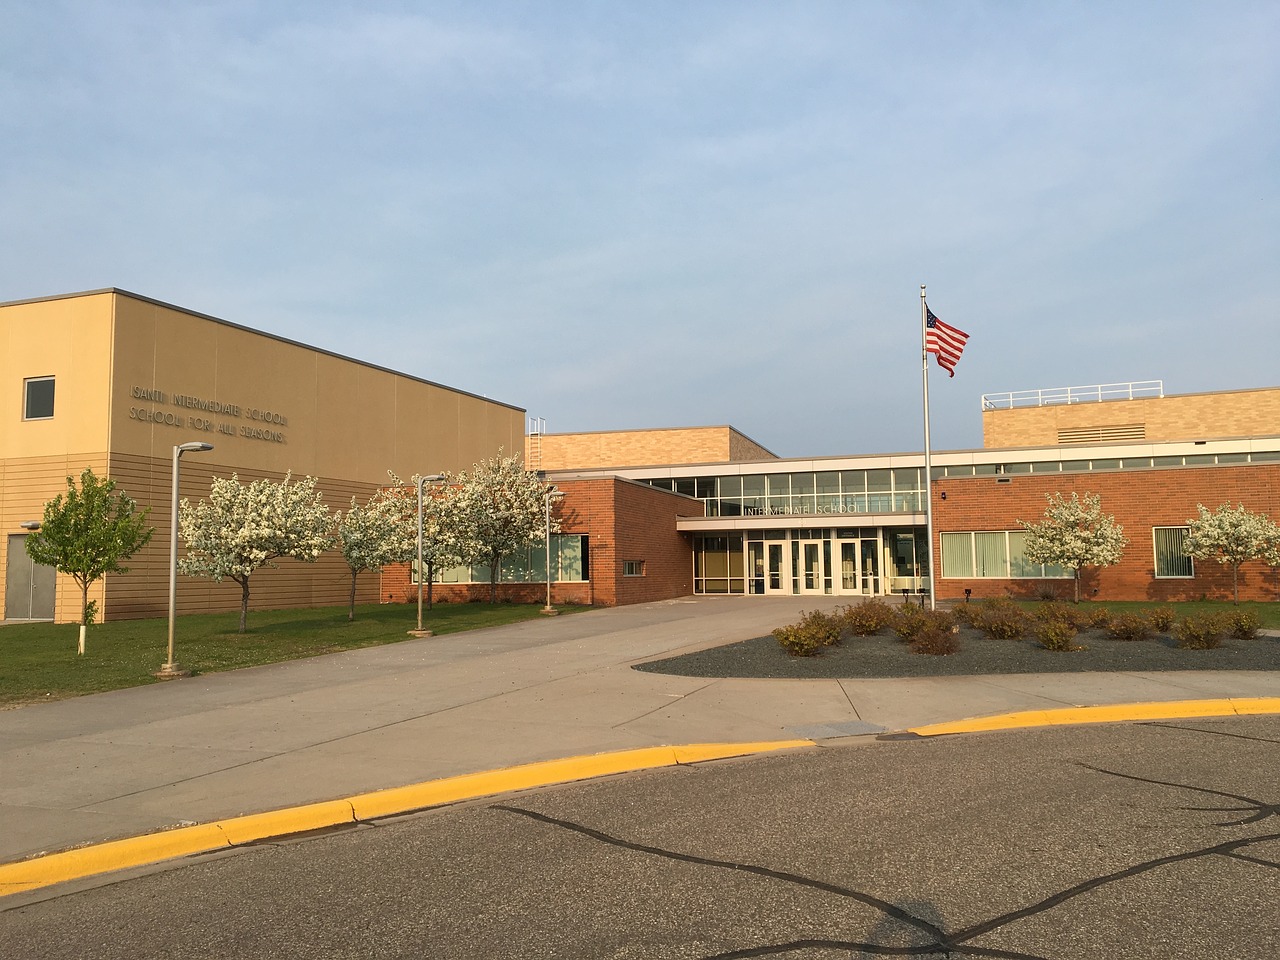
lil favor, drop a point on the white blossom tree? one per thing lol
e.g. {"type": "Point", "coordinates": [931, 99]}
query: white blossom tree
{"type": "Point", "coordinates": [242, 527]}
{"type": "Point", "coordinates": [495, 510]}
{"type": "Point", "coordinates": [1232, 535]}
{"type": "Point", "coordinates": [1075, 534]}
{"type": "Point", "coordinates": [438, 534]}
{"type": "Point", "coordinates": [380, 532]}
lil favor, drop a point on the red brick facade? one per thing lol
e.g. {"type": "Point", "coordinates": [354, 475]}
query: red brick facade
{"type": "Point", "coordinates": [624, 521]}
{"type": "Point", "coordinates": [1139, 500]}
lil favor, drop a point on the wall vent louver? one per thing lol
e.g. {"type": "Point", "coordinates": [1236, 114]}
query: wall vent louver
{"type": "Point", "coordinates": [1114, 431]}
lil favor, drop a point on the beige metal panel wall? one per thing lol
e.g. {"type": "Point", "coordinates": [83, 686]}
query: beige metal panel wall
{"type": "Point", "coordinates": [272, 406]}
{"type": "Point", "coordinates": [69, 340]}
{"type": "Point", "coordinates": [143, 591]}
{"type": "Point", "coordinates": [25, 486]}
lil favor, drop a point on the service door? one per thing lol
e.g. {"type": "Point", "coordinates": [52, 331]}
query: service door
{"type": "Point", "coordinates": [28, 586]}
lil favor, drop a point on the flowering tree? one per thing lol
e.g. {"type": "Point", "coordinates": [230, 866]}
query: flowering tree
{"type": "Point", "coordinates": [86, 533]}
{"type": "Point", "coordinates": [1075, 534]}
{"type": "Point", "coordinates": [242, 527]}
{"type": "Point", "coordinates": [496, 510]}
{"type": "Point", "coordinates": [439, 528]}
{"type": "Point", "coordinates": [380, 532]}
{"type": "Point", "coordinates": [1232, 535]}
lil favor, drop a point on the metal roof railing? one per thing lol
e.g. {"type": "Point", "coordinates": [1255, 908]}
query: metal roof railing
{"type": "Point", "coordinates": [1094, 393]}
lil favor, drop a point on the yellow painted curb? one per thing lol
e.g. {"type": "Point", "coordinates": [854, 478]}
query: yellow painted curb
{"type": "Point", "coordinates": [184, 841]}
{"type": "Point", "coordinates": [1111, 713]}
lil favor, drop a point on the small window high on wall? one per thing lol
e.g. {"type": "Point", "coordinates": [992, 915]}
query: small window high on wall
{"type": "Point", "coordinates": [37, 401]}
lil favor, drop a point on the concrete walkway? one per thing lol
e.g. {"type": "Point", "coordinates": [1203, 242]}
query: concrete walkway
{"type": "Point", "coordinates": [222, 745]}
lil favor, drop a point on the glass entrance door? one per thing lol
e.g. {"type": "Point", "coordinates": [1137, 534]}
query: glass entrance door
{"type": "Point", "coordinates": [811, 571]}
{"type": "Point", "coordinates": [773, 582]}
{"type": "Point", "coordinates": [849, 566]}
{"type": "Point", "coordinates": [870, 568]}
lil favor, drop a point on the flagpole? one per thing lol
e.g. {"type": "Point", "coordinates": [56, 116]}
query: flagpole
{"type": "Point", "coordinates": [928, 464]}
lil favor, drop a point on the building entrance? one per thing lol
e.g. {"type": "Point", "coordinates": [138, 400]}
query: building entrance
{"type": "Point", "coordinates": [857, 561]}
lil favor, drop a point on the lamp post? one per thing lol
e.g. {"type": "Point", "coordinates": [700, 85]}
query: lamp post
{"type": "Point", "coordinates": [552, 494]}
{"type": "Point", "coordinates": [422, 480]}
{"type": "Point", "coordinates": [170, 669]}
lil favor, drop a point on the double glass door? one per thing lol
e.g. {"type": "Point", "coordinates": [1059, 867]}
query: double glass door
{"type": "Point", "coordinates": [860, 567]}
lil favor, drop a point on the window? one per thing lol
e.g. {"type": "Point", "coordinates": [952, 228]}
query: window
{"type": "Point", "coordinates": [999, 554]}
{"type": "Point", "coordinates": [37, 398]}
{"type": "Point", "coordinates": [633, 568]}
{"type": "Point", "coordinates": [1170, 559]}
{"type": "Point", "coordinates": [570, 563]}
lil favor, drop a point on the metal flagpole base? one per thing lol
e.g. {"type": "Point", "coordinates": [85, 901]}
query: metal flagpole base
{"type": "Point", "coordinates": [171, 671]}
{"type": "Point", "coordinates": [420, 633]}
{"type": "Point", "coordinates": [549, 612]}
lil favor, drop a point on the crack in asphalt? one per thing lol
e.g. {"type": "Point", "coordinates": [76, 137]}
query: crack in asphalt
{"type": "Point", "coordinates": [942, 943]}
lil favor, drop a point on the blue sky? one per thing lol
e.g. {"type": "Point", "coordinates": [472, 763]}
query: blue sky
{"type": "Point", "coordinates": [626, 215]}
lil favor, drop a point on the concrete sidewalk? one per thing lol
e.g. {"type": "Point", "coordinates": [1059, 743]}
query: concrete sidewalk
{"type": "Point", "coordinates": [212, 747]}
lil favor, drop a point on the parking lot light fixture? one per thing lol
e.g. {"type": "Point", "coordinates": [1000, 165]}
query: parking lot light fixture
{"type": "Point", "coordinates": [170, 668]}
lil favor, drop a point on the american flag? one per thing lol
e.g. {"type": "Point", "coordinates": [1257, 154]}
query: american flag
{"type": "Point", "coordinates": [944, 340]}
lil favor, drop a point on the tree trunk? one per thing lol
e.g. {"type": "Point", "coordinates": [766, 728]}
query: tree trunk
{"type": "Point", "coordinates": [84, 616]}
{"type": "Point", "coordinates": [351, 606]}
{"type": "Point", "coordinates": [493, 580]}
{"type": "Point", "coordinates": [244, 605]}
{"type": "Point", "coordinates": [1076, 579]}
{"type": "Point", "coordinates": [1235, 584]}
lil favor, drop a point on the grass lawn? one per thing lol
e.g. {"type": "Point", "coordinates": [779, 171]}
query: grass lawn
{"type": "Point", "coordinates": [38, 661]}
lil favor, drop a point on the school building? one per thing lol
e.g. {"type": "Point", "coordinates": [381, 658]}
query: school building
{"type": "Point", "coordinates": [114, 381]}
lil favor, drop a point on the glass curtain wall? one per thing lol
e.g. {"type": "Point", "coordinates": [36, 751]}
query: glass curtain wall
{"type": "Point", "coordinates": [867, 561]}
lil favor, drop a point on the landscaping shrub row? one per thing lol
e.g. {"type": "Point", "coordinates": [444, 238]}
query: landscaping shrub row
{"type": "Point", "coordinates": [1056, 626]}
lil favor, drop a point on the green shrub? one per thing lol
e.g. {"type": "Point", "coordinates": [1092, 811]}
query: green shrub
{"type": "Point", "coordinates": [1241, 624]}
{"type": "Point", "coordinates": [1058, 612]}
{"type": "Point", "coordinates": [1001, 619]}
{"type": "Point", "coordinates": [1057, 635]}
{"type": "Point", "coordinates": [1162, 619]}
{"type": "Point", "coordinates": [964, 613]}
{"type": "Point", "coordinates": [1129, 626]}
{"type": "Point", "coordinates": [909, 622]}
{"type": "Point", "coordinates": [866, 617]}
{"type": "Point", "coordinates": [1202, 632]}
{"type": "Point", "coordinates": [814, 631]}
{"type": "Point", "coordinates": [935, 639]}
{"type": "Point", "coordinates": [1098, 618]}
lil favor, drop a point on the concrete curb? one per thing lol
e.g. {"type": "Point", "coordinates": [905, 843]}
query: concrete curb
{"type": "Point", "coordinates": [1111, 713]}
{"type": "Point", "coordinates": [152, 848]}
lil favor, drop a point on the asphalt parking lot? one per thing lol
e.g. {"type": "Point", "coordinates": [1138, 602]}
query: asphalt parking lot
{"type": "Point", "coordinates": [1157, 840]}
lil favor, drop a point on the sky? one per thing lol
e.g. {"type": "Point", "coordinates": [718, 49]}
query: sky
{"type": "Point", "coordinates": [646, 214]}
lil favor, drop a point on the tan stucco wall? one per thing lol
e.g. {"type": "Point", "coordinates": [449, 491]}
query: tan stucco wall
{"type": "Point", "coordinates": [119, 362]}
{"type": "Point", "coordinates": [639, 448]}
{"type": "Point", "coordinates": [1193, 416]}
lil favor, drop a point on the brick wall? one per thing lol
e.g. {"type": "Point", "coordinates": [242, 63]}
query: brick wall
{"type": "Point", "coordinates": [639, 448]}
{"type": "Point", "coordinates": [623, 521]}
{"type": "Point", "coordinates": [1192, 416]}
{"type": "Point", "coordinates": [1139, 500]}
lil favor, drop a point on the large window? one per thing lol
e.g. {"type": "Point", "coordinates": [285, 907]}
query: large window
{"type": "Point", "coordinates": [1171, 561]}
{"type": "Point", "coordinates": [37, 398]}
{"type": "Point", "coordinates": [570, 563]}
{"type": "Point", "coordinates": [999, 554]}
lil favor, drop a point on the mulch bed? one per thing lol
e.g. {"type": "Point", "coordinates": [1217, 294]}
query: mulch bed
{"type": "Point", "coordinates": [884, 655]}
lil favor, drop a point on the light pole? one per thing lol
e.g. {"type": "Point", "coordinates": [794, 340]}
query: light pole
{"type": "Point", "coordinates": [422, 480]}
{"type": "Point", "coordinates": [170, 669]}
{"type": "Point", "coordinates": [552, 494]}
